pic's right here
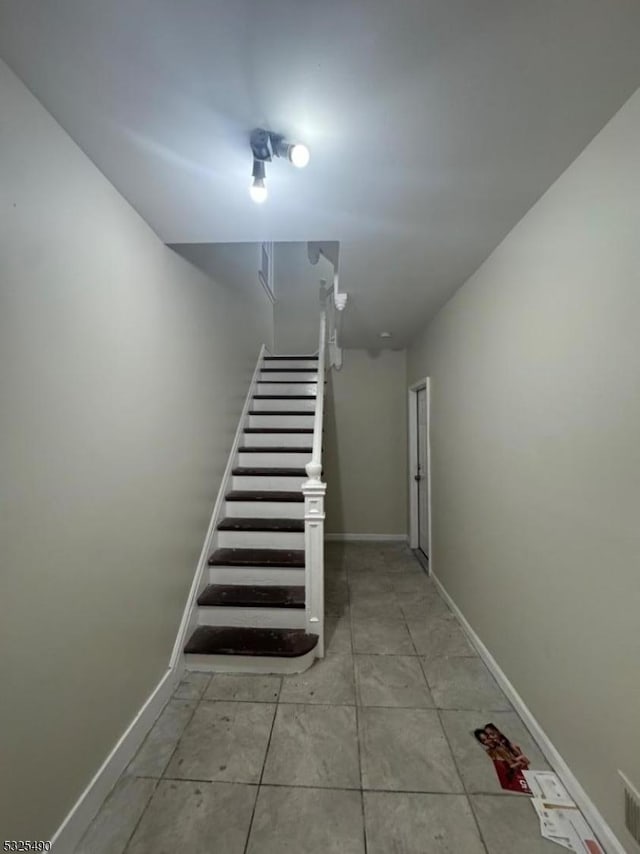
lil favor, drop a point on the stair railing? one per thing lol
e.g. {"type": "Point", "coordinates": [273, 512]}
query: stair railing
{"type": "Point", "coordinates": [314, 491]}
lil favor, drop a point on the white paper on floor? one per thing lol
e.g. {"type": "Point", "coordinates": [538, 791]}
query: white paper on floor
{"type": "Point", "coordinates": [560, 819]}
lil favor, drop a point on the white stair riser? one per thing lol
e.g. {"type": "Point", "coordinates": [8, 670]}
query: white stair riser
{"type": "Point", "coordinates": [264, 509]}
{"type": "Point", "coordinates": [283, 364]}
{"type": "Point", "coordinates": [273, 618]}
{"type": "Point", "coordinates": [283, 404]}
{"type": "Point", "coordinates": [287, 389]}
{"type": "Point", "coordinates": [289, 377]}
{"type": "Point", "coordinates": [272, 459]}
{"type": "Point", "coordinates": [248, 663]}
{"type": "Point", "coordinates": [262, 483]}
{"type": "Point", "coordinates": [260, 540]}
{"type": "Point", "coordinates": [283, 420]}
{"type": "Point", "coordinates": [279, 440]}
{"type": "Point", "coordinates": [264, 576]}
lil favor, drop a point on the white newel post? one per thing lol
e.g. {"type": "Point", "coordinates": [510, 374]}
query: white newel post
{"type": "Point", "coordinates": [314, 492]}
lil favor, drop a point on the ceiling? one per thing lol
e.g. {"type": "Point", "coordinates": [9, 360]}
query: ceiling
{"type": "Point", "coordinates": [433, 124]}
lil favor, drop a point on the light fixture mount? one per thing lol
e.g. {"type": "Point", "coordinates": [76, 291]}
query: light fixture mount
{"type": "Point", "coordinates": [265, 145]}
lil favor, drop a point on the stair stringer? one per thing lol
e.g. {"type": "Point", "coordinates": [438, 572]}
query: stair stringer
{"type": "Point", "coordinates": [201, 578]}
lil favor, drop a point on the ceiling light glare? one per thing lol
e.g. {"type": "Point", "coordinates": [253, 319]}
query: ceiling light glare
{"type": "Point", "coordinates": [299, 155]}
{"type": "Point", "coordinates": [258, 191]}
{"type": "Point", "coordinates": [385, 335]}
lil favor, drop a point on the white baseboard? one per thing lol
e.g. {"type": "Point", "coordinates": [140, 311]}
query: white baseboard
{"type": "Point", "coordinates": [602, 830]}
{"type": "Point", "coordinates": [365, 538]}
{"type": "Point", "coordinates": [84, 810]}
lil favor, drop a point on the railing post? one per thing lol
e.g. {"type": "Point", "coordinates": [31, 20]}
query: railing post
{"type": "Point", "coordinates": [314, 492]}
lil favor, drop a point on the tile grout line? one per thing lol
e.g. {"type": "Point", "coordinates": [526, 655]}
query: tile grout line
{"type": "Point", "coordinates": [264, 763]}
{"type": "Point", "coordinates": [487, 794]}
{"type": "Point", "coordinates": [461, 778]}
{"type": "Point", "coordinates": [357, 697]}
{"type": "Point", "coordinates": [161, 777]}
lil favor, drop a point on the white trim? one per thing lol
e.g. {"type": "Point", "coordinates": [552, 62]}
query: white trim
{"type": "Point", "coordinates": [82, 813]}
{"type": "Point", "coordinates": [201, 578]}
{"type": "Point", "coordinates": [250, 663]}
{"type": "Point", "coordinates": [267, 282]}
{"type": "Point", "coordinates": [603, 831]}
{"type": "Point", "coordinates": [413, 459]}
{"type": "Point", "coordinates": [275, 618]}
{"type": "Point", "coordinates": [365, 538]}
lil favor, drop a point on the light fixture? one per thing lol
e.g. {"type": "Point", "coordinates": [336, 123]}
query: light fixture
{"type": "Point", "coordinates": [385, 335]}
{"type": "Point", "coordinates": [299, 155]}
{"type": "Point", "coordinates": [258, 190]}
{"type": "Point", "coordinates": [266, 145]}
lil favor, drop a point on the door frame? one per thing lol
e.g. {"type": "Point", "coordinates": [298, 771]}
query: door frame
{"type": "Point", "coordinates": [413, 463]}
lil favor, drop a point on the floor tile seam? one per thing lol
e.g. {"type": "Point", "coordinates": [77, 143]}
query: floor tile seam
{"type": "Point", "coordinates": [179, 739]}
{"type": "Point", "coordinates": [325, 787]}
{"type": "Point", "coordinates": [142, 815]}
{"type": "Point", "coordinates": [462, 780]}
{"type": "Point", "coordinates": [273, 702]}
{"type": "Point", "coordinates": [264, 762]}
{"type": "Point", "coordinates": [357, 704]}
{"type": "Point", "coordinates": [359, 750]}
{"type": "Point", "coordinates": [358, 747]}
{"type": "Point", "coordinates": [471, 792]}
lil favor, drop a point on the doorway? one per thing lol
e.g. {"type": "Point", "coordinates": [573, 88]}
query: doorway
{"type": "Point", "coordinates": [420, 472]}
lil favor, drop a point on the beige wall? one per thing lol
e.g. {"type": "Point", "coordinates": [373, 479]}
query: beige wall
{"type": "Point", "coordinates": [535, 367]}
{"type": "Point", "coordinates": [237, 265]}
{"type": "Point", "coordinates": [123, 371]}
{"type": "Point", "coordinates": [365, 444]}
{"type": "Point", "coordinates": [297, 291]}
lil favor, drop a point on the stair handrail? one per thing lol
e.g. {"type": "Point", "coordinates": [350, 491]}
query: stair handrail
{"type": "Point", "coordinates": [336, 300]}
{"type": "Point", "coordinates": [314, 466]}
{"type": "Point", "coordinates": [314, 491]}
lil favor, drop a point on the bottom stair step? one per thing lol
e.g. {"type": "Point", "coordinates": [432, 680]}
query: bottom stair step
{"type": "Point", "coordinates": [274, 643]}
{"type": "Point", "coordinates": [251, 596]}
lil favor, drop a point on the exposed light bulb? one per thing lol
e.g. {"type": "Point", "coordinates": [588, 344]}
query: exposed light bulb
{"type": "Point", "coordinates": [299, 155]}
{"type": "Point", "coordinates": [258, 191]}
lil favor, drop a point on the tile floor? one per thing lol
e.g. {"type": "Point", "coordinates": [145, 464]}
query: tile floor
{"type": "Point", "coordinates": [369, 752]}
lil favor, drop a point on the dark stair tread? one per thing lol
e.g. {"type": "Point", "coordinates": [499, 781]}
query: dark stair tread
{"type": "Point", "coordinates": [278, 430]}
{"type": "Point", "coordinates": [284, 396]}
{"type": "Point", "coordinates": [290, 358]}
{"type": "Point", "coordinates": [257, 495]}
{"type": "Point", "coordinates": [251, 596]}
{"type": "Point", "coordinates": [274, 449]}
{"type": "Point", "coordinates": [283, 558]}
{"type": "Point", "coordinates": [232, 523]}
{"type": "Point", "coordinates": [223, 640]}
{"type": "Point", "coordinates": [265, 472]}
{"type": "Point", "coordinates": [288, 382]}
{"type": "Point", "coordinates": [288, 371]}
{"type": "Point", "coordinates": [281, 412]}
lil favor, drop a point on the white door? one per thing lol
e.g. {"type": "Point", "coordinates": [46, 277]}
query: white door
{"type": "Point", "coordinates": [422, 473]}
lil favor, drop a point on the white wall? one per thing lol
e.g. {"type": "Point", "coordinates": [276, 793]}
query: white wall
{"type": "Point", "coordinates": [535, 367]}
{"type": "Point", "coordinates": [297, 292]}
{"type": "Point", "coordinates": [365, 448]}
{"type": "Point", "coordinates": [123, 371]}
{"type": "Point", "coordinates": [237, 265]}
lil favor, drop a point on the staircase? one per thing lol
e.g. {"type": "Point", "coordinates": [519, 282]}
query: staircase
{"type": "Point", "coordinates": [254, 611]}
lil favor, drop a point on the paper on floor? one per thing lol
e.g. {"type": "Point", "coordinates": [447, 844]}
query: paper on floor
{"type": "Point", "coordinates": [560, 819]}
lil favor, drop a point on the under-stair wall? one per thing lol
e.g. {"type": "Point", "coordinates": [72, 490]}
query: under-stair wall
{"type": "Point", "coordinates": [249, 605]}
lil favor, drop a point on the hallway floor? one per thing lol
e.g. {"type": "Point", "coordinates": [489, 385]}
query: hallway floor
{"type": "Point", "coordinates": [372, 750]}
